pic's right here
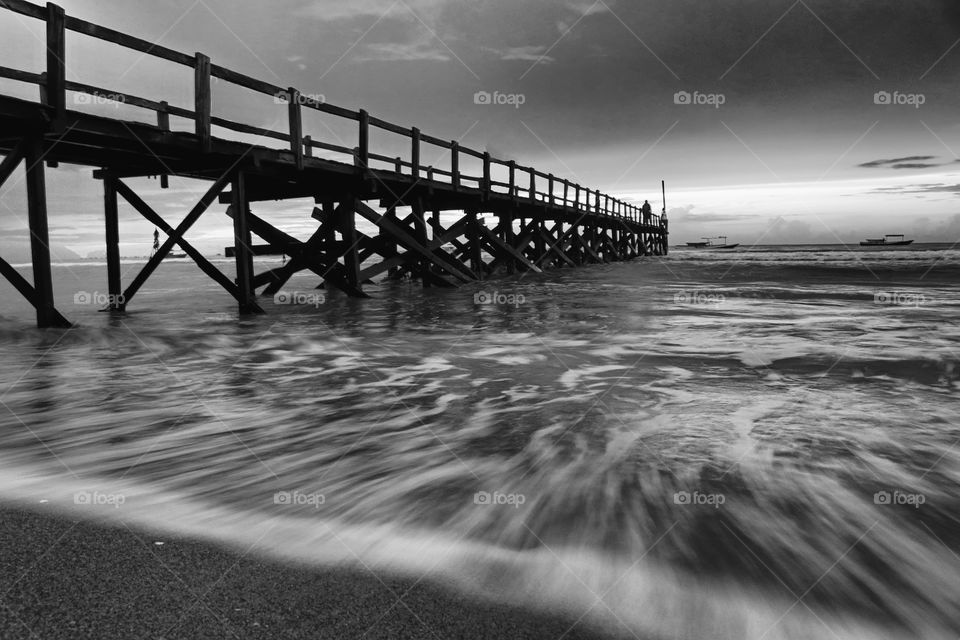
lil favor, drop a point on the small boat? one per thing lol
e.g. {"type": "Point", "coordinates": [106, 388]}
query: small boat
{"type": "Point", "coordinates": [886, 241]}
{"type": "Point", "coordinates": [708, 244]}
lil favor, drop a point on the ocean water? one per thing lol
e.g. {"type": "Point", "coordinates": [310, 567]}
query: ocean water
{"type": "Point", "coordinates": [754, 444]}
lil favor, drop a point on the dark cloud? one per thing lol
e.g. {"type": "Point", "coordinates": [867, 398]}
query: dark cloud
{"type": "Point", "coordinates": [900, 163]}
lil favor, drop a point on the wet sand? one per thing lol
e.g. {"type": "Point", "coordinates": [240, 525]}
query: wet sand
{"type": "Point", "coordinates": [64, 578]}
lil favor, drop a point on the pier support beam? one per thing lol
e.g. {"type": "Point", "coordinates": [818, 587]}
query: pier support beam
{"type": "Point", "coordinates": [242, 242]}
{"type": "Point", "coordinates": [112, 224]}
{"type": "Point", "coordinates": [47, 315]}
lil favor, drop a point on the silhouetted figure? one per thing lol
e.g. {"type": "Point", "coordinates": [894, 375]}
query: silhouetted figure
{"type": "Point", "coordinates": [647, 212]}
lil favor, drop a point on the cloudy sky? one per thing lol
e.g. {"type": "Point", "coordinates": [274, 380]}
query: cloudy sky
{"type": "Point", "coordinates": [770, 120]}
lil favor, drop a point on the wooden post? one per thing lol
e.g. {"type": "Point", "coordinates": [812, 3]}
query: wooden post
{"type": "Point", "coordinates": [47, 315]}
{"type": "Point", "coordinates": [415, 153]}
{"type": "Point", "coordinates": [533, 184]}
{"type": "Point", "coordinates": [202, 100]}
{"type": "Point", "coordinates": [56, 78]}
{"type": "Point", "coordinates": [576, 198]}
{"type": "Point", "coordinates": [163, 123]}
{"type": "Point", "coordinates": [242, 243]}
{"type": "Point", "coordinates": [566, 191]}
{"type": "Point", "coordinates": [506, 226]}
{"type": "Point", "coordinates": [296, 126]}
{"type": "Point", "coordinates": [111, 219]}
{"type": "Point", "coordinates": [455, 164]}
{"type": "Point", "coordinates": [420, 223]}
{"type": "Point", "coordinates": [513, 180]}
{"type": "Point", "coordinates": [308, 146]}
{"type": "Point", "coordinates": [348, 230]}
{"type": "Point", "coordinates": [486, 171]}
{"type": "Point", "coordinates": [364, 141]}
{"type": "Point", "coordinates": [597, 202]}
{"type": "Point", "coordinates": [550, 189]}
{"type": "Point", "coordinates": [476, 255]}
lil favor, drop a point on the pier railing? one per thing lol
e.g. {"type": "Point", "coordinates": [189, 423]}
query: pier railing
{"type": "Point", "coordinates": [522, 183]}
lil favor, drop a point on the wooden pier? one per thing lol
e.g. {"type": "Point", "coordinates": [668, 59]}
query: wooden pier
{"type": "Point", "coordinates": [542, 221]}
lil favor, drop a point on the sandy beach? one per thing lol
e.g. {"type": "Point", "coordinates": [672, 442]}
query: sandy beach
{"type": "Point", "coordinates": [64, 578]}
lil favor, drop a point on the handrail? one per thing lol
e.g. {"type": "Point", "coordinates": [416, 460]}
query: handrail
{"type": "Point", "coordinates": [53, 84]}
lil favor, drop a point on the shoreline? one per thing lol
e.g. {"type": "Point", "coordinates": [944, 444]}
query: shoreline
{"type": "Point", "coordinates": [62, 577]}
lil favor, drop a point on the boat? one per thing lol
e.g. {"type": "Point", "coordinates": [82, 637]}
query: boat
{"type": "Point", "coordinates": [886, 241]}
{"type": "Point", "coordinates": [707, 243]}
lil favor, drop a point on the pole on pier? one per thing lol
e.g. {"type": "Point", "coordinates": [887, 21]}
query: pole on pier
{"type": "Point", "coordinates": [47, 315]}
{"type": "Point", "coordinates": [242, 246]}
{"type": "Point", "coordinates": [56, 77]}
{"type": "Point", "coordinates": [112, 223]}
{"type": "Point", "coordinates": [202, 100]}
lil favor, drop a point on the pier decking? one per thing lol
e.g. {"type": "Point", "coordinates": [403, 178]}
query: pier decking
{"type": "Point", "coordinates": [543, 221]}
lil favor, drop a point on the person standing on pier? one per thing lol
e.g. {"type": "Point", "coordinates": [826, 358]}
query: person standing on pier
{"type": "Point", "coordinates": [647, 212]}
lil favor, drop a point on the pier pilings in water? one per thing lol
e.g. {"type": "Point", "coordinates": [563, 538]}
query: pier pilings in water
{"type": "Point", "coordinates": [538, 221]}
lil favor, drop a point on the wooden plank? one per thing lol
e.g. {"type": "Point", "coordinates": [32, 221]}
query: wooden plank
{"type": "Point", "coordinates": [22, 76]}
{"type": "Point", "coordinates": [103, 33]}
{"type": "Point", "coordinates": [202, 101]}
{"type": "Point", "coordinates": [24, 8]}
{"type": "Point", "coordinates": [492, 238]}
{"type": "Point", "coordinates": [18, 281]}
{"type": "Point", "coordinates": [246, 128]}
{"type": "Point", "coordinates": [403, 238]}
{"type": "Point", "coordinates": [388, 126]}
{"type": "Point", "coordinates": [243, 80]}
{"type": "Point", "coordinates": [174, 237]}
{"type": "Point", "coordinates": [12, 160]}
{"type": "Point", "coordinates": [56, 77]}
{"type": "Point", "coordinates": [47, 314]}
{"type": "Point", "coordinates": [440, 238]}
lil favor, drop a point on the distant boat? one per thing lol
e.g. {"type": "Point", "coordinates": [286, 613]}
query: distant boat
{"type": "Point", "coordinates": [707, 243]}
{"type": "Point", "coordinates": [886, 241]}
{"type": "Point", "coordinates": [156, 247]}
